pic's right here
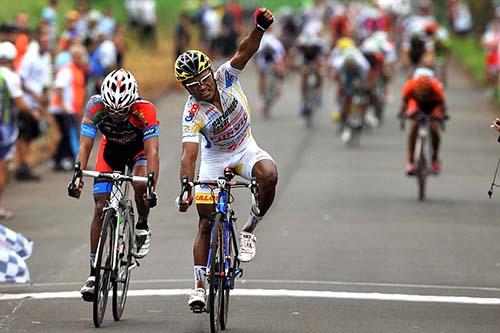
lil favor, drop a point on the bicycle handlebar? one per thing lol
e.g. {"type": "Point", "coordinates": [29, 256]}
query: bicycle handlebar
{"type": "Point", "coordinates": [222, 182]}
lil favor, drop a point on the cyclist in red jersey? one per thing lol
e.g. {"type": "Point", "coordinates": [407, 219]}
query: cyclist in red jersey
{"type": "Point", "coordinates": [130, 138]}
{"type": "Point", "coordinates": [424, 93]}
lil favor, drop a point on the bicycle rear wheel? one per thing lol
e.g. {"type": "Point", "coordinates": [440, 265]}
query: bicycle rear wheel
{"type": "Point", "coordinates": [215, 295]}
{"type": "Point", "coordinates": [120, 285]}
{"type": "Point", "coordinates": [103, 267]}
{"type": "Point", "coordinates": [421, 171]}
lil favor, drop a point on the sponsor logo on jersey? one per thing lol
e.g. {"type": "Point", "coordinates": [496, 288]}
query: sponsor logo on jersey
{"type": "Point", "coordinates": [205, 198]}
{"type": "Point", "coordinates": [192, 112]}
{"type": "Point", "coordinates": [150, 131]}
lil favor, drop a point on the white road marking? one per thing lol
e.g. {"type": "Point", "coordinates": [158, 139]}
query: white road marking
{"type": "Point", "coordinates": [263, 281]}
{"type": "Point", "coordinates": [280, 293]}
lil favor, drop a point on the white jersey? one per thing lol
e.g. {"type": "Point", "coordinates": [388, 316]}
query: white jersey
{"type": "Point", "coordinates": [225, 130]}
{"type": "Point", "coordinates": [278, 53]}
{"type": "Point", "coordinates": [35, 71]}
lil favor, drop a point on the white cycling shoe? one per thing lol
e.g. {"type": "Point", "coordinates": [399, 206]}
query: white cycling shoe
{"type": "Point", "coordinates": [143, 240]}
{"type": "Point", "coordinates": [197, 299]}
{"type": "Point", "coordinates": [247, 246]}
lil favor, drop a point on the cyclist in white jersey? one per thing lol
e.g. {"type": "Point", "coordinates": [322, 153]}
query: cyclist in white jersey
{"type": "Point", "coordinates": [217, 117]}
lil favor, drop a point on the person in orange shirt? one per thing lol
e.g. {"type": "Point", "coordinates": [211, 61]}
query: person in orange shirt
{"type": "Point", "coordinates": [424, 93]}
{"type": "Point", "coordinates": [22, 38]}
{"type": "Point", "coordinates": [67, 104]}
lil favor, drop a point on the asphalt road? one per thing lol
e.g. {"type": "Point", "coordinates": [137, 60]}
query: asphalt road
{"type": "Point", "coordinates": [345, 248]}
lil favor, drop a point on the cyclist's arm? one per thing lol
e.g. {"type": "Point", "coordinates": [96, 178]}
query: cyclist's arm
{"type": "Point", "coordinates": [86, 144]}
{"type": "Point", "coordinates": [188, 159]}
{"type": "Point", "coordinates": [151, 147]}
{"type": "Point", "coordinates": [247, 49]}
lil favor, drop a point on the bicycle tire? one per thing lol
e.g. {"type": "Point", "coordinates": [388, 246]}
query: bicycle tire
{"type": "Point", "coordinates": [103, 273]}
{"type": "Point", "coordinates": [229, 283]}
{"type": "Point", "coordinates": [121, 283]}
{"type": "Point", "coordinates": [216, 267]}
{"type": "Point", "coordinates": [421, 171]}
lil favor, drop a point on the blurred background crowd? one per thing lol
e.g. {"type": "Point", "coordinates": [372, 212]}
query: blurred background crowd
{"type": "Point", "coordinates": [62, 55]}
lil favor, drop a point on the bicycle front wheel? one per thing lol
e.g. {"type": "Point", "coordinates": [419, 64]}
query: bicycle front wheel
{"type": "Point", "coordinates": [215, 295]}
{"type": "Point", "coordinates": [125, 257]}
{"type": "Point", "coordinates": [103, 268]}
{"type": "Point", "coordinates": [228, 282]}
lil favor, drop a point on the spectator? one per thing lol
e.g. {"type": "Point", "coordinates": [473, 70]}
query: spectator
{"type": "Point", "coordinates": [106, 53]}
{"type": "Point", "coordinates": [229, 34]}
{"type": "Point", "coordinates": [82, 9]}
{"type": "Point", "coordinates": [70, 32]}
{"type": "Point", "coordinates": [11, 100]}
{"type": "Point", "coordinates": [182, 34]}
{"type": "Point", "coordinates": [462, 21]}
{"type": "Point", "coordinates": [212, 25]}
{"type": "Point", "coordinates": [107, 24]}
{"type": "Point", "coordinates": [148, 20]}
{"type": "Point", "coordinates": [491, 41]}
{"type": "Point", "coordinates": [22, 38]}
{"type": "Point", "coordinates": [34, 71]}
{"type": "Point", "coordinates": [121, 45]}
{"type": "Point", "coordinates": [132, 7]}
{"type": "Point", "coordinates": [64, 57]}
{"type": "Point", "coordinates": [49, 17]}
{"type": "Point", "coordinates": [93, 19]}
{"type": "Point", "coordinates": [67, 104]}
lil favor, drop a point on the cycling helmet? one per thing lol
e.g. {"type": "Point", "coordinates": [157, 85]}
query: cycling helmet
{"type": "Point", "coordinates": [191, 63]}
{"type": "Point", "coordinates": [423, 81]}
{"type": "Point", "coordinates": [119, 90]}
{"type": "Point", "coordinates": [345, 43]}
{"type": "Point", "coordinates": [423, 71]}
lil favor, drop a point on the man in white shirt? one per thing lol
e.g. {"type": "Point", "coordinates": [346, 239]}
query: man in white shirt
{"type": "Point", "coordinates": [34, 73]}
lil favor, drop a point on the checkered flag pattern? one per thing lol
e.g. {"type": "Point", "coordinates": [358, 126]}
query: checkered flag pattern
{"type": "Point", "coordinates": [14, 250]}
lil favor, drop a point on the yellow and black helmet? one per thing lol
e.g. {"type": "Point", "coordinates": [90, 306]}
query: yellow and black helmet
{"type": "Point", "coordinates": [191, 63]}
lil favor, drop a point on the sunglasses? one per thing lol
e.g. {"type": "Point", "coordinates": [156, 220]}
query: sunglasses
{"type": "Point", "coordinates": [197, 84]}
{"type": "Point", "coordinates": [119, 112]}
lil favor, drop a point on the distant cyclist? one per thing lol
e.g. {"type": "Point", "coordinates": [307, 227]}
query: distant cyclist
{"type": "Point", "coordinates": [423, 93]}
{"type": "Point", "coordinates": [130, 138]}
{"type": "Point", "coordinates": [270, 57]}
{"type": "Point", "coordinates": [311, 49]}
{"type": "Point", "coordinates": [217, 119]}
{"type": "Point", "coordinates": [351, 71]}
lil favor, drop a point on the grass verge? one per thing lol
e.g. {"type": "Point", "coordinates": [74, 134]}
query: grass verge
{"type": "Point", "coordinates": [471, 54]}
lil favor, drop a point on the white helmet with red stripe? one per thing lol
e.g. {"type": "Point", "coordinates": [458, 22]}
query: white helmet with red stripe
{"type": "Point", "coordinates": [119, 90]}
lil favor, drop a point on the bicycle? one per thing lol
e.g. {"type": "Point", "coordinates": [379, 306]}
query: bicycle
{"type": "Point", "coordinates": [312, 96]}
{"type": "Point", "coordinates": [356, 117]}
{"type": "Point", "coordinates": [114, 259]}
{"type": "Point", "coordinates": [223, 266]}
{"type": "Point", "coordinates": [271, 92]}
{"type": "Point", "coordinates": [423, 145]}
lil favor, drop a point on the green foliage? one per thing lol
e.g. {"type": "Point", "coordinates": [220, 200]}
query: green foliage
{"type": "Point", "coordinates": [471, 54]}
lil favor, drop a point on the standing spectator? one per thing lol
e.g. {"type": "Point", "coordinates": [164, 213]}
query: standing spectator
{"type": "Point", "coordinates": [22, 38]}
{"type": "Point", "coordinates": [67, 104]}
{"type": "Point", "coordinates": [35, 75]}
{"type": "Point", "coordinates": [121, 45]}
{"type": "Point", "coordinates": [70, 32]}
{"type": "Point", "coordinates": [82, 8]}
{"type": "Point", "coordinates": [49, 17]}
{"type": "Point", "coordinates": [182, 34]}
{"type": "Point", "coordinates": [107, 24]}
{"type": "Point", "coordinates": [106, 53]}
{"type": "Point", "coordinates": [229, 34]}
{"type": "Point", "coordinates": [93, 19]}
{"type": "Point", "coordinates": [212, 25]}
{"type": "Point", "coordinates": [11, 100]}
{"type": "Point", "coordinates": [132, 7]}
{"type": "Point", "coordinates": [462, 21]}
{"type": "Point", "coordinates": [491, 42]}
{"type": "Point", "coordinates": [148, 21]}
